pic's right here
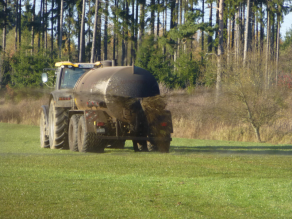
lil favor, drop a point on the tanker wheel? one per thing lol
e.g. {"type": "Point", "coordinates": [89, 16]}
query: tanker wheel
{"type": "Point", "coordinates": [163, 146]}
{"type": "Point", "coordinates": [88, 141]}
{"type": "Point", "coordinates": [58, 122]}
{"type": "Point", "coordinates": [73, 133]}
{"type": "Point", "coordinates": [118, 144]}
{"type": "Point", "coordinates": [140, 146]}
{"type": "Point", "coordinates": [45, 143]}
{"type": "Point", "coordinates": [152, 146]}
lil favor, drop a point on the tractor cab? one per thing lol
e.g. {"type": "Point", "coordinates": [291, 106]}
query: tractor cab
{"type": "Point", "coordinates": [67, 73]}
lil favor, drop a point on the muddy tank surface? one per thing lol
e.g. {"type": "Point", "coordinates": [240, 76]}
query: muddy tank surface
{"type": "Point", "coordinates": [115, 89]}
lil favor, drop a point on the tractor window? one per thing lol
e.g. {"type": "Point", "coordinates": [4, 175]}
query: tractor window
{"type": "Point", "coordinates": [70, 76]}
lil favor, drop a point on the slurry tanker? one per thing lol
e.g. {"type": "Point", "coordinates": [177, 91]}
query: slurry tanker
{"type": "Point", "coordinates": [100, 105]}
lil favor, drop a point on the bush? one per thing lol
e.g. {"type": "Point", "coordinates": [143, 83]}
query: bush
{"type": "Point", "coordinates": [27, 69]}
{"type": "Point", "coordinates": [187, 70]}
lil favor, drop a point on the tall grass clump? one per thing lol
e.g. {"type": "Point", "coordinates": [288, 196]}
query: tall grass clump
{"type": "Point", "coordinates": [22, 106]}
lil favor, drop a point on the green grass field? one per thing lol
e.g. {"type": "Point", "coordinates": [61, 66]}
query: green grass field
{"type": "Point", "coordinates": [197, 179]}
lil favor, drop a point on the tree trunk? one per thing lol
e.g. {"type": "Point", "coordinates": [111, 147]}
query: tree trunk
{"type": "Point", "coordinates": [272, 25]}
{"type": "Point", "coordinates": [180, 12]}
{"type": "Point", "coordinates": [172, 8]}
{"type": "Point", "coordinates": [165, 18]}
{"type": "Point", "coordinates": [279, 17]}
{"type": "Point", "coordinates": [89, 18]}
{"type": "Point", "coordinates": [261, 29]}
{"type": "Point", "coordinates": [256, 34]}
{"type": "Point", "coordinates": [52, 30]}
{"type": "Point", "coordinates": [78, 32]}
{"type": "Point", "coordinates": [152, 18]}
{"type": "Point", "coordinates": [4, 30]}
{"type": "Point", "coordinates": [203, 8]}
{"type": "Point", "coordinates": [40, 24]}
{"type": "Point", "coordinates": [92, 60]}
{"type": "Point", "coordinates": [69, 30]}
{"type": "Point", "coordinates": [136, 31]}
{"type": "Point", "coordinates": [217, 22]}
{"type": "Point", "coordinates": [237, 36]}
{"type": "Point", "coordinates": [105, 30]}
{"type": "Point", "coordinates": [220, 50]}
{"type": "Point", "coordinates": [252, 31]}
{"type": "Point", "coordinates": [267, 79]}
{"type": "Point", "coordinates": [246, 41]}
{"type": "Point", "coordinates": [210, 24]}
{"type": "Point", "coordinates": [228, 41]}
{"type": "Point", "coordinates": [114, 35]}
{"type": "Point", "coordinates": [257, 133]}
{"type": "Point", "coordinates": [61, 29]}
{"type": "Point", "coordinates": [45, 25]}
{"type": "Point", "coordinates": [232, 31]}
{"type": "Point", "coordinates": [157, 25]}
{"type": "Point", "coordinates": [178, 21]}
{"type": "Point", "coordinates": [127, 36]}
{"type": "Point", "coordinates": [32, 27]}
{"type": "Point", "coordinates": [242, 23]}
{"type": "Point", "coordinates": [142, 17]}
{"type": "Point", "coordinates": [123, 38]}
{"type": "Point", "coordinates": [19, 24]}
{"type": "Point", "coordinates": [132, 32]}
{"type": "Point", "coordinates": [98, 49]}
{"type": "Point", "coordinates": [16, 26]}
{"type": "Point", "coordinates": [81, 51]}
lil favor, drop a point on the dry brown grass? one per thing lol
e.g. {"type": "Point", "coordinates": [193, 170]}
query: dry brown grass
{"type": "Point", "coordinates": [21, 107]}
{"type": "Point", "coordinates": [194, 116]}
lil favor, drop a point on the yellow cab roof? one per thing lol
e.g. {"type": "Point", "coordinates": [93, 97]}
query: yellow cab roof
{"type": "Point", "coordinates": [76, 65]}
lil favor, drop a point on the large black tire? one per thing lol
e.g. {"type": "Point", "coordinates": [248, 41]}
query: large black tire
{"type": "Point", "coordinates": [88, 141]}
{"type": "Point", "coordinates": [58, 127]}
{"type": "Point", "coordinates": [163, 146]}
{"type": "Point", "coordinates": [73, 133]}
{"type": "Point", "coordinates": [152, 146]}
{"type": "Point", "coordinates": [45, 143]}
{"type": "Point", "coordinates": [140, 146]}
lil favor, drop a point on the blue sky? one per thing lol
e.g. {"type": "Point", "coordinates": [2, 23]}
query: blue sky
{"type": "Point", "coordinates": [286, 25]}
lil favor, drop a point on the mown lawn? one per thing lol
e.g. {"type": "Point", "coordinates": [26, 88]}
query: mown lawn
{"type": "Point", "coordinates": [197, 179]}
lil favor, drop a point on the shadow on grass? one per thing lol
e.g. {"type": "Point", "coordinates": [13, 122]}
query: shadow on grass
{"type": "Point", "coordinates": [276, 150]}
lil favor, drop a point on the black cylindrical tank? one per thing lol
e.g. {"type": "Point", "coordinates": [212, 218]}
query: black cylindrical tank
{"type": "Point", "coordinates": [117, 88]}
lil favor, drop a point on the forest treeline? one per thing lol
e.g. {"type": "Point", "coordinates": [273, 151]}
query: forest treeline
{"type": "Point", "coordinates": [181, 42]}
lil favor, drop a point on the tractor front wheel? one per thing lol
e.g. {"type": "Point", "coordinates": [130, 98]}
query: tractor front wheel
{"type": "Point", "coordinates": [58, 130]}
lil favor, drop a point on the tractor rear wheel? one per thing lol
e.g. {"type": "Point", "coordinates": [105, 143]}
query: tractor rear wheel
{"type": "Point", "coordinates": [58, 127]}
{"type": "Point", "coordinates": [88, 141]}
